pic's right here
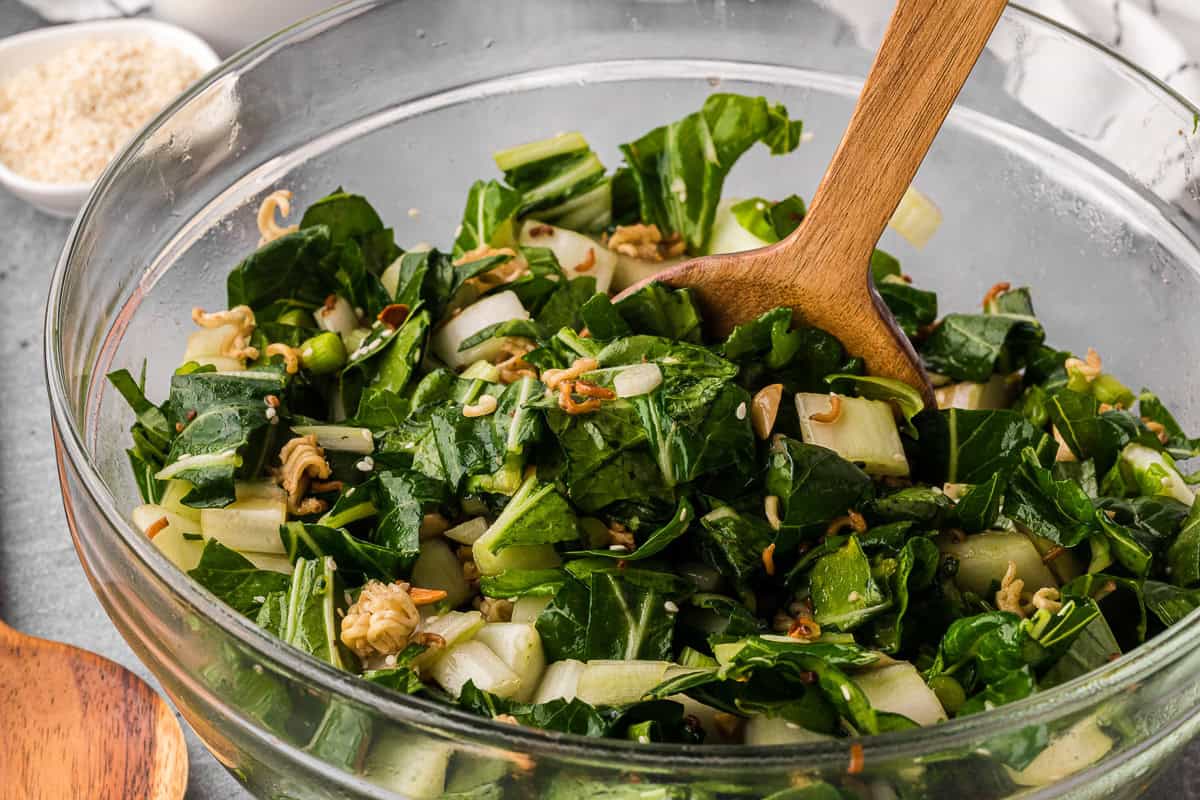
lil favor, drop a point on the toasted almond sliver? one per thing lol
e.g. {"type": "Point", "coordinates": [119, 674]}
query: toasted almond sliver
{"type": "Point", "coordinates": [765, 408]}
{"type": "Point", "coordinates": [424, 597]}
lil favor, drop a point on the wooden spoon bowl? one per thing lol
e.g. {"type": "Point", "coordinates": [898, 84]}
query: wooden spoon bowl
{"type": "Point", "coordinates": [74, 724]}
{"type": "Point", "coordinates": [822, 269]}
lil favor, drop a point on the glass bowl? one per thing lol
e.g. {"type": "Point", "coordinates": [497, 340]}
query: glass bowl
{"type": "Point", "coordinates": [1062, 167]}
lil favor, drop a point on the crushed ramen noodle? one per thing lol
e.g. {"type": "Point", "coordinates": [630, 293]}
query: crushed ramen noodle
{"type": "Point", "coordinates": [62, 121]}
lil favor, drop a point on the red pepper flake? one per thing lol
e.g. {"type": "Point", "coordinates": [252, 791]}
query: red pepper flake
{"type": "Point", "coordinates": [330, 302]}
{"type": "Point", "coordinates": [271, 400]}
{"type": "Point", "coordinates": [191, 415]}
{"type": "Point", "coordinates": [541, 230]}
{"type": "Point", "coordinates": [393, 315]}
{"type": "Point", "coordinates": [587, 263]}
{"type": "Point", "coordinates": [1053, 553]}
{"type": "Point", "coordinates": [768, 558]}
{"type": "Point", "coordinates": [156, 527]}
{"type": "Point", "coordinates": [857, 759]}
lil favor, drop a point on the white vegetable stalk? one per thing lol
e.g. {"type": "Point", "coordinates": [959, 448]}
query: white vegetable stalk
{"type": "Point", "coordinates": [916, 218]}
{"type": "Point", "coordinates": [863, 431]}
{"type": "Point", "coordinates": [900, 689]}
{"type": "Point", "coordinates": [454, 627]}
{"type": "Point", "coordinates": [560, 681]}
{"type": "Point", "coordinates": [247, 525]}
{"type": "Point", "coordinates": [467, 532]}
{"type": "Point", "coordinates": [637, 380]}
{"type": "Point", "coordinates": [489, 311]}
{"type": "Point", "coordinates": [578, 255]}
{"type": "Point", "coordinates": [208, 345]}
{"type": "Point", "coordinates": [340, 318]}
{"type": "Point", "coordinates": [437, 567]}
{"type": "Point", "coordinates": [474, 661]}
{"type": "Point", "coordinates": [520, 648]}
{"type": "Point", "coordinates": [229, 457]}
{"type": "Point", "coordinates": [728, 235]}
{"type": "Point", "coordinates": [614, 683]}
{"type": "Point", "coordinates": [342, 438]}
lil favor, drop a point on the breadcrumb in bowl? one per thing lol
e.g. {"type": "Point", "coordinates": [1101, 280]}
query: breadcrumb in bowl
{"type": "Point", "coordinates": [26, 50]}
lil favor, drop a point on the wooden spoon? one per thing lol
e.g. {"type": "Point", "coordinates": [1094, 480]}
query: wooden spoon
{"type": "Point", "coordinates": [74, 724]}
{"type": "Point", "coordinates": [821, 269]}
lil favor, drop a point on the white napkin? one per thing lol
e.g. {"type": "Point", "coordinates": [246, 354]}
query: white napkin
{"type": "Point", "coordinates": [79, 10]}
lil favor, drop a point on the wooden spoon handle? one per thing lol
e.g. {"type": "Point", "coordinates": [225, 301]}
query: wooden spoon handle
{"type": "Point", "coordinates": [927, 53]}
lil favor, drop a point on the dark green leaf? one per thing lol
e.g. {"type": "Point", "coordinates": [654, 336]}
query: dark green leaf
{"type": "Point", "coordinates": [814, 485]}
{"type": "Point", "coordinates": [657, 541]}
{"type": "Point", "coordinates": [523, 583]}
{"type": "Point", "coordinates": [979, 506]}
{"type": "Point", "coordinates": [657, 310]}
{"type": "Point", "coordinates": [899, 394]}
{"type": "Point", "coordinates": [602, 319]}
{"type": "Point", "coordinates": [353, 556]}
{"type": "Point", "coordinates": [1170, 603]}
{"type": "Point", "coordinates": [679, 169]}
{"type": "Point", "coordinates": [627, 620]}
{"type": "Point", "coordinates": [234, 579]}
{"type": "Point", "coordinates": [1056, 510]}
{"type": "Point", "coordinates": [288, 268]}
{"type": "Point", "coordinates": [487, 218]}
{"type": "Point", "coordinates": [958, 446]}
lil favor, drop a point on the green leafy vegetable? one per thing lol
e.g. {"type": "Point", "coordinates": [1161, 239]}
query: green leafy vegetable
{"type": "Point", "coordinates": [679, 169]}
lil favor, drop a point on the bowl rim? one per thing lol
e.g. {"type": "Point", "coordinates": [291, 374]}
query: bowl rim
{"type": "Point", "coordinates": [161, 32]}
{"type": "Point", "coordinates": [444, 720]}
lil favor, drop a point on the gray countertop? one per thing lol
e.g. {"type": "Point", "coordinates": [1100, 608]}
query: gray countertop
{"type": "Point", "coordinates": [43, 590]}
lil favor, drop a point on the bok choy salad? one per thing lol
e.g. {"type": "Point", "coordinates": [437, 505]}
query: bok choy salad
{"type": "Point", "coordinates": [469, 473]}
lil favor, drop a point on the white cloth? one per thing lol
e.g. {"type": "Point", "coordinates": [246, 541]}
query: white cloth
{"type": "Point", "coordinates": [79, 10]}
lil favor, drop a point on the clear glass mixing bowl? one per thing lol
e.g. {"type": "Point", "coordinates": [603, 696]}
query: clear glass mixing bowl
{"type": "Point", "coordinates": [1062, 167]}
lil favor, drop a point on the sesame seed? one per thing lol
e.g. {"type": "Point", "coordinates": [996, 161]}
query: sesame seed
{"type": "Point", "coordinates": [270, 413]}
{"type": "Point", "coordinates": [307, 353]}
{"type": "Point", "coordinates": [846, 693]}
{"type": "Point", "coordinates": [258, 598]}
{"type": "Point", "coordinates": [617, 548]}
{"type": "Point", "coordinates": [258, 670]}
{"type": "Point", "coordinates": [358, 311]}
{"type": "Point", "coordinates": [366, 465]}
{"type": "Point", "coordinates": [741, 411]}
{"type": "Point", "coordinates": [414, 212]}
{"type": "Point", "coordinates": [390, 661]}
{"type": "Point", "coordinates": [807, 136]}
{"type": "Point", "coordinates": [760, 206]}
{"type": "Point", "coordinates": [853, 597]}
{"type": "Point", "coordinates": [671, 607]}
{"type": "Point", "coordinates": [683, 515]}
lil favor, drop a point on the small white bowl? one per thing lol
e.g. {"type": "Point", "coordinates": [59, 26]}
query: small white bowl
{"type": "Point", "coordinates": [27, 49]}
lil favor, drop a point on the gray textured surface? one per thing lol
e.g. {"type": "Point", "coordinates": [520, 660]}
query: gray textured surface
{"type": "Point", "coordinates": [43, 590]}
